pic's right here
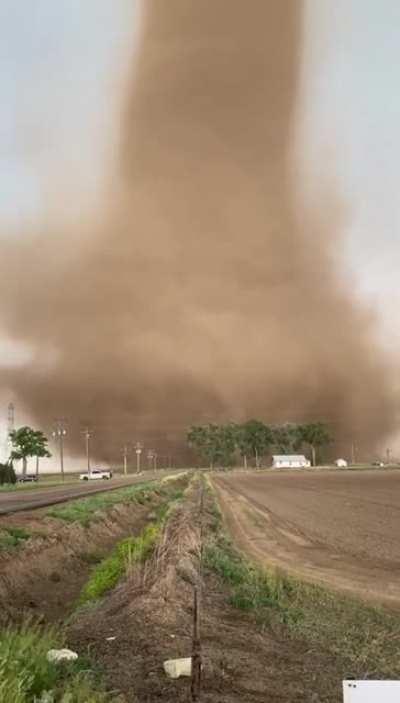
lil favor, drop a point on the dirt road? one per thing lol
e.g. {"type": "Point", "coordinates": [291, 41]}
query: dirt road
{"type": "Point", "coordinates": [340, 528]}
{"type": "Point", "coordinates": [16, 501]}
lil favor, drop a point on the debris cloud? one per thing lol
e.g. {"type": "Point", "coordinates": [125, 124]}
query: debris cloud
{"type": "Point", "coordinates": [202, 290]}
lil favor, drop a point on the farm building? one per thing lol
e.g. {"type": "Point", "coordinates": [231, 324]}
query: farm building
{"type": "Point", "coordinates": [286, 461]}
{"type": "Point", "coordinates": [341, 463]}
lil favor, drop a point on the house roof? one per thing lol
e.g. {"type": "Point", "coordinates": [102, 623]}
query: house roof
{"type": "Point", "coordinates": [289, 457]}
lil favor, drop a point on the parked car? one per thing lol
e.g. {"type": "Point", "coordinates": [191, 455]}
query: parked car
{"type": "Point", "coordinates": [29, 478]}
{"type": "Point", "coordinates": [95, 474]}
{"type": "Point", "coordinates": [378, 463]}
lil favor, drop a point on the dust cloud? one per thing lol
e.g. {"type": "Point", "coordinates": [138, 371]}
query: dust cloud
{"type": "Point", "coordinates": [201, 291]}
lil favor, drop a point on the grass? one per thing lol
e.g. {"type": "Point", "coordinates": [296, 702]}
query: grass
{"type": "Point", "coordinates": [366, 638]}
{"type": "Point", "coordinates": [45, 481]}
{"type": "Point", "coordinates": [131, 551]}
{"type": "Point", "coordinates": [12, 537]}
{"type": "Point", "coordinates": [87, 510]}
{"type": "Point", "coordinates": [26, 675]}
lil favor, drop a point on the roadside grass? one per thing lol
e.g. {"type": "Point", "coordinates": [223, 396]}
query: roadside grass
{"type": "Point", "coordinates": [42, 483]}
{"type": "Point", "coordinates": [87, 510]}
{"type": "Point", "coordinates": [366, 638]}
{"type": "Point", "coordinates": [12, 537]}
{"type": "Point", "coordinates": [130, 551]}
{"type": "Point", "coordinates": [26, 675]}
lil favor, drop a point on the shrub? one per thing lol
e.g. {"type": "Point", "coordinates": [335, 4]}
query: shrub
{"type": "Point", "coordinates": [7, 474]}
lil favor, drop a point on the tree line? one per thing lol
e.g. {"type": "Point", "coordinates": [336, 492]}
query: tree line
{"type": "Point", "coordinates": [218, 445]}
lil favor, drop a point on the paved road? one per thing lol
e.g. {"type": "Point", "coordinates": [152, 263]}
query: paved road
{"type": "Point", "coordinates": [16, 501]}
{"type": "Point", "coordinates": [340, 527]}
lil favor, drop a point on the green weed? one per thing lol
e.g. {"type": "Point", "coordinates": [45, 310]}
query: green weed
{"type": "Point", "coordinates": [26, 675]}
{"type": "Point", "coordinates": [130, 551]}
{"type": "Point", "coordinates": [12, 537]}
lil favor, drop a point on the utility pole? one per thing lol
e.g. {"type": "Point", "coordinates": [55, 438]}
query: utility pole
{"type": "Point", "coordinates": [59, 433]}
{"type": "Point", "coordinates": [152, 458]}
{"type": "Point", "coordinates": [138, 450]}
{"type": "Point", "coordinates": [125, 452]}
{"type": "Point", "coordinates": [353, 452]}
{"type": "Point", "coordinates": [10, 428]}
{"type": "Point", "coordinates": [388, 455]}
{"type": "Point", "coordinates": [87, 434]}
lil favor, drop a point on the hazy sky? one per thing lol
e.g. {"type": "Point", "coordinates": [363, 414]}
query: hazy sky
{"type": "Point", "coordinates": [60, 67]}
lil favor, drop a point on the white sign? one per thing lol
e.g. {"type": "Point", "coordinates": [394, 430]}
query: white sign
{"type": "Point", "coordinates": [138, 451]}
{"type": "Point", "coordinates": [371, 691]}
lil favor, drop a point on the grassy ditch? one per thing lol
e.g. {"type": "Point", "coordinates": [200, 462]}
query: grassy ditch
{"type": "Point", "coordinates": [130, 551]}
{"type": "Point", "coordinates": [106, 575]}
{"type": "Point", "coordinates": [87, 510]}
{"type": "Point", "coordinates": [12, 537]}
{"type": "Point", "coordinates": [26, 675]}
{"type": "Point", "coordinates": [365, 638]}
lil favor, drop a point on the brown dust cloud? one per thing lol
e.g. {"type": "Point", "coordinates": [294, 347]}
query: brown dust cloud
{"type": "Point", "coordinates": [202, 291]}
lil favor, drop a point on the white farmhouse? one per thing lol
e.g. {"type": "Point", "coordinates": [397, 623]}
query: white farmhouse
{"type": "Point", "coordinates": [286, 461]}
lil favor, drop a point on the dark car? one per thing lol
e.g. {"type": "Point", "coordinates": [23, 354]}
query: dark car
{"type": "Point", "coordinates": [29, 478]}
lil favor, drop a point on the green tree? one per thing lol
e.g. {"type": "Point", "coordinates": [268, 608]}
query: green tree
{"type": "Point", "coordinates": [253, 438]}
{"type": "Point", "coordinates": [41, 448]}
{"type": "Point", "coordinates": [26, 443]}
{"type": "Point", "coordinates": [315, 435]}
{"type": "Point", "coordinates": [214, 443]}
{"type": "Point", "coordinates": [287, 438]}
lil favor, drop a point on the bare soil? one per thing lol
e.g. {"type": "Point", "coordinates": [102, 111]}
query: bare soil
{"type": "Point", "coordinates": [44, 576]}
{"type": "Point", "coordinates": [149, 618]}
{"type": "Point", "coordinates": [337, 528]}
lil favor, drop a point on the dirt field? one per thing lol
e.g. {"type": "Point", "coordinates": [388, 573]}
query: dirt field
{"type": "Point", "coordinates": [340, 528]}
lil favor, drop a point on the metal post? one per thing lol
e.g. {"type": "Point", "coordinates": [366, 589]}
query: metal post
{"type": "Point", "coordinates": [195, 688]}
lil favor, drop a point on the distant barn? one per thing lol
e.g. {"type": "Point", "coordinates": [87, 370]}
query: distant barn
{"type": "Point", "coordinates": [294, 461]}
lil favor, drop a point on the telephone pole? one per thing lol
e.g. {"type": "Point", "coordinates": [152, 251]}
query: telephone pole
{"type": "Point", "coordinates": [59, 433]}
{"type": "Point", "coordinates": [353, 452]}
{"type": "Point", "coordinates": [125, 452]}
{"type": "Point", "coordinates": [138, 450]}
{"type": "Point", "coordinates": [152, 458]}
{"type": "Point", "coordinates": [10, 428]}
{"type": "Point", "coordinates": [87, 435]}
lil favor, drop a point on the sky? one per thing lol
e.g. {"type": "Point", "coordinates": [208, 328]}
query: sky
{"type": "Point", "coordinates": [62, 64]}
{"type": "Point", "coordinates": [352, 129]}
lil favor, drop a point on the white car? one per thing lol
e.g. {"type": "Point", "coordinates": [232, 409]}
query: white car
{"type": "Point", "coordinates": [95, 474]}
